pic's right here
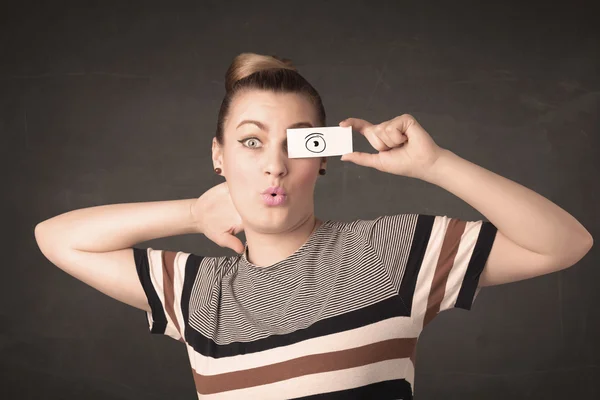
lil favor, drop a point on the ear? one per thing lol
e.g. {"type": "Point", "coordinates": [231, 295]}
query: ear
{"type": "Point", "coordinates": [217, 154]}
{"type": "Point", "coordinates": [324, 162]}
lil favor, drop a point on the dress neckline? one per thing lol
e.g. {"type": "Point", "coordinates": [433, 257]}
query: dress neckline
{"type": "Point", "coordinates": [289, 259]}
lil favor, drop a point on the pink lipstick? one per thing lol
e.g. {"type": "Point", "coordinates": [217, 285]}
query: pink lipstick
{"type": "Point", "coordinates": [274, 196]}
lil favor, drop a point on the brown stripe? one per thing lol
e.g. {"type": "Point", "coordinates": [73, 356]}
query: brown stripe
{"type": "Point", "coordinates": [168, 262]}
{"type": "Point", "coordinates": [311, 364]}
{"type": "Point", "coordinates": [454, 232]}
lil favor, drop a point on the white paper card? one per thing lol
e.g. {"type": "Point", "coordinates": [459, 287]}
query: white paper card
{"type": "Point", "coordinates": [319, 141]}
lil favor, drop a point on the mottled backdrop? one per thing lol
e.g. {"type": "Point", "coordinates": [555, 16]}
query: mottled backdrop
{"type": "Point", "coordinates": [108, 102]}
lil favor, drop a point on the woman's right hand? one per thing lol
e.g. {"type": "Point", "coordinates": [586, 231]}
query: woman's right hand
{"type": "Point", "coordinates": [217, 218]}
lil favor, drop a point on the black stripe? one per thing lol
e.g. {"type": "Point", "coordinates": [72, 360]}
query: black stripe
{"type": "Point", "coordinates": [421, 237]}
{"type": "Point", "coordinates": [481, 252]}
{"type": "Point", "coordinates": [397, 389]}
{"type": "Point", "coordinates": [380, 311]}
{"type": "Point", "coordinates": [191, 271]}
{"type": "Point", "coordinates": [142, 266]}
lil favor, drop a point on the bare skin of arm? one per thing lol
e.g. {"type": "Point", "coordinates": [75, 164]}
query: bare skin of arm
{"type": "Point", "coordinates": [95, 244]}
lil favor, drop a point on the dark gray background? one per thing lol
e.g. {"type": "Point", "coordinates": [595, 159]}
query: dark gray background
{"type": "Point", "coordinates": [108, 103]}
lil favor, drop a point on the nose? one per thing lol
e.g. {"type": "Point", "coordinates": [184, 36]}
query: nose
{"type": "Point", "coordinates": [276, 163]}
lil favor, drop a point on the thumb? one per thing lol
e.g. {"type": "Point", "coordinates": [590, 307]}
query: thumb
{"type": "Point", "coordinates": [235, 244]}
{"type": "Point", "coordinates": [364, 159]}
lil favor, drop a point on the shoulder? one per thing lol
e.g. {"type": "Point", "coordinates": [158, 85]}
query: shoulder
{"type": "Point", "coordinates": [183, 262]}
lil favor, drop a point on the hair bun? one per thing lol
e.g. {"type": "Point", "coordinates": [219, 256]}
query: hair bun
{"type": "Point", "coordinates": [286, 61]}
{"type": "Point", "coordinates": [246, 64]}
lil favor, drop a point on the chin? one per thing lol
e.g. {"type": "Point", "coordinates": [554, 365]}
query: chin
{"type": "Point", "coordinates": [270, 220]}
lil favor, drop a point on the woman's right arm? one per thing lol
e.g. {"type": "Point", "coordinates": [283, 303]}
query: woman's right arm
{"type": "Point", "coordinates": [94, 244]}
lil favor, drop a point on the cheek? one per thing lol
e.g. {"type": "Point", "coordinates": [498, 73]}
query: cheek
{"type": "Point", "coordinates": [241, 180]}
{"type": "Point", "coordinates": [240, 200]}
{"type": "Point", "coordinates": [307, 175]}
{"type": "Point", "coordinates": [237, 169]}
{"type": "Point", "coordinates": [237, 174]}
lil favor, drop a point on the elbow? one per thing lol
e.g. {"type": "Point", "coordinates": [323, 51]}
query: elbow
{"type": "Point", "coordinates": [37, 233]}
{"type": "Point", "coordinates": [582, 243]}
{"type": "Point", "coordinates": [580, 251]}
{"type": "Point", "coordinates": [43, 238]}
{"type": "Point", "coordinates": [588, 243]}
{"type": "Point", "coordinates": [39, 237]}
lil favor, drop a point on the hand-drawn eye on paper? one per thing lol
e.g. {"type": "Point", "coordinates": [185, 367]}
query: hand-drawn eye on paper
{"type": "Point", "coordinates": [315, 143]}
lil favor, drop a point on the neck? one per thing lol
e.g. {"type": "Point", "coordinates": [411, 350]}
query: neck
{"type": "Point", "coordinates": [266, 249]}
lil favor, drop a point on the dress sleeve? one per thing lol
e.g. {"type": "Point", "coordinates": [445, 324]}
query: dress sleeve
{"type": "Point", "coordinates": [434, 261]}
{"type": "Point", "coordinates": [167, 278]}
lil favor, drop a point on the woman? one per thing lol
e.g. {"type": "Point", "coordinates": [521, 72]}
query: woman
{"type": "Point", "coordinates": [308, 306]}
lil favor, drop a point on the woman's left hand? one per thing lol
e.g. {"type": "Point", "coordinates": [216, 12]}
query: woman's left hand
{"type": "Point", "coordinates": [405, 148]}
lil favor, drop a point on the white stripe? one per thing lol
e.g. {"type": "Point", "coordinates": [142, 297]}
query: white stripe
{"type": "Point", "coordinates": [461, 262]}
{"type": "Point", "coordinates": [156, 276]}
{"type": "Point", "coordinates": [179, 271]}
{"type": "Point", "coordinates": [428, 266]}
{"type": "Point", "coordinates": [324, 382]}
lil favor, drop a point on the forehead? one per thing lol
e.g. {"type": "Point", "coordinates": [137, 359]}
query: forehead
{"type": "Point", "coordinates": [270, 107]}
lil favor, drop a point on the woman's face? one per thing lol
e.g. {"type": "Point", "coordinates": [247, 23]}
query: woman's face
{"type": "Point", "coordinates": [254, 158]}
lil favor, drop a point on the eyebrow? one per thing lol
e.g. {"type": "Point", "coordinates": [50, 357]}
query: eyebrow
{"type": "Point", "coordinates": [264, 127]}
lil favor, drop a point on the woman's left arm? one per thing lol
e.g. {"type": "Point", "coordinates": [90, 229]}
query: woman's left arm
{"type": "Point", "coordinates": [535, 236]}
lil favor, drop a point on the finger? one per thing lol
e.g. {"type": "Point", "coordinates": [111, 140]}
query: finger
{"type": "Point", "coordinates": [367, 130]}
{"type": "Point", "coordinates": [364, 159]}
{"type": "Point", "coordinates": [394, 135]}
{"type": "Point", "coordinates": [404, 121]}
{"type": "Point", "coordinates": [237, 228]}
{"type": "Point", "coordinates": [375, 139]}
{"type": "Point", "coordinates": [232, 242]}
{"type": "Point", "coordinates": [382, 132]}
{"type": "Point", "coordinates": [356, 123]}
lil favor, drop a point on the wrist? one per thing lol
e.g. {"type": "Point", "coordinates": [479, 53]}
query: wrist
{"type": "Point", "coordinates": [193, 219]}
{"type": "Point", "coordinates": [436, 171]}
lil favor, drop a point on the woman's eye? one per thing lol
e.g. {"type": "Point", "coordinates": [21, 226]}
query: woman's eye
{"type": "Point", "coordinates": [250, 142]}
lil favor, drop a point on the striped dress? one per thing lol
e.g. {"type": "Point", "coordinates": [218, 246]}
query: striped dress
{"type": "Point", "coordinates": [338, 319]}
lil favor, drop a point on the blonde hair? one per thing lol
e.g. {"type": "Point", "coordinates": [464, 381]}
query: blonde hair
{"type": "Point", "coordinates": [256, 71]}
{"type": "Point", "coordinates": [247, 64]}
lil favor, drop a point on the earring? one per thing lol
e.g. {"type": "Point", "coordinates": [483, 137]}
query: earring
{"type": "Point", "coordinates": [322, 171]}
{"type": "Point", "coordinates": [218, 171]}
